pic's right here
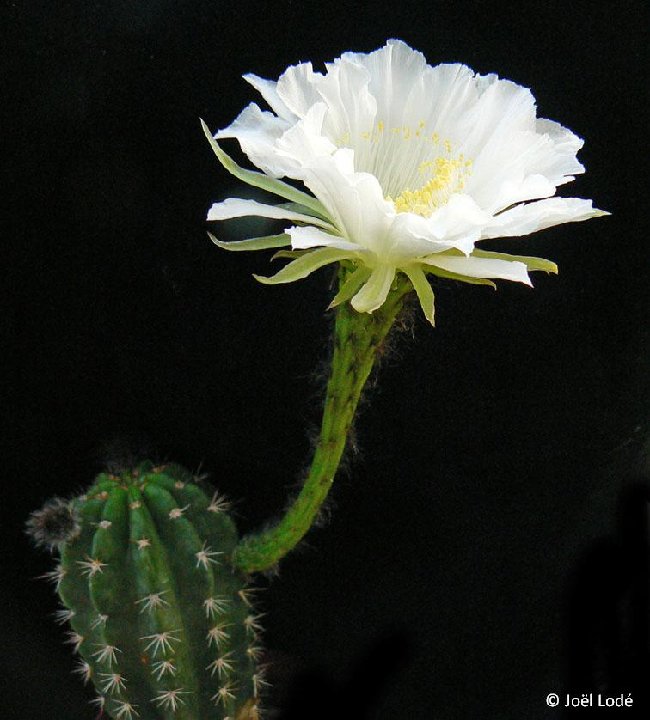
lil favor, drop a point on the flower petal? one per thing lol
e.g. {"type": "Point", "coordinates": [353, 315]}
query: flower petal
{"type": "Point", "coordinates": [304, 266]}
{"type": "Point", "coordinates": [448, 275]}
{"type": "Point", "coordinates": [354, 201]}
{"type": "Point", "coordinates": [424, 291]}
{"type": "Point", "coordinates": [375, 291]}
{"type": "Point", "coordinates": [268, 89]}
{"type": "Point", "coordinates": [297, 88]}
{"type": "Point", "coordinates": [562, 164]}
{"type": "Point", "coordinates": [241, 207]}
{"type": "Point", "coordinates": [258, 243]}
{"type": "Point", "coordinates": [264, 182]}
{"type": "Point", "coordinates": [311, 237]}
{"type": "Point", "coordinates": [525, 219]}
{"type": "Point", "coordinates": [351, 108]}
{"type": "Point", "coordinates": [532, 263]}
{"type": "Point", "coordinates": [481, 267]}
{"type": "Point", "coordinates": [257, 133]}
{"type": "Point", "coordinates": [457, 224]}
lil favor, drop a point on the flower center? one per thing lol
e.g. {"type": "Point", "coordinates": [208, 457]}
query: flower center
{"type": "Point", "coordinates": [446, 176]}
{"type": "Point", "coordinates": [417, 170]}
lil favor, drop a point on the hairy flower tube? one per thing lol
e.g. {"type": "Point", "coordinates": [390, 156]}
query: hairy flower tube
{"type": "Point", "coordinates": [409, 167]}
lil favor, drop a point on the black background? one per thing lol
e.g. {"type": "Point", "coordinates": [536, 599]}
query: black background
{"type": "Point", "coordinates": [486, 546]}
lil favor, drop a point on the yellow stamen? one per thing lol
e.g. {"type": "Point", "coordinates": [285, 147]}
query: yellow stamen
{"type": "Point", "coordinates": [447, 176]}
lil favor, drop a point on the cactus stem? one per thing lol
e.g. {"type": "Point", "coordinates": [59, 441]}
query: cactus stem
{"type": "Point", "coordinates": [142, 586]}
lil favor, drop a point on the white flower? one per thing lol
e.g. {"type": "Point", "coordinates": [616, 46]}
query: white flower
{"type": "Point", "coordinates": [409, 165]}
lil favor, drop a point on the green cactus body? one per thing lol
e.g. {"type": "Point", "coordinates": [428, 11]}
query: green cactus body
{"type": "Point", "coordinates": [162, 621]}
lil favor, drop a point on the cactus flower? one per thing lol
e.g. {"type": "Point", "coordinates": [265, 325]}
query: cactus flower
{"type": "Point", "coordinates": [409, 166]}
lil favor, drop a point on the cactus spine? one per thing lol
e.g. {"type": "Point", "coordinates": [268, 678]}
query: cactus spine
{"type": "Point", "coordinates": [162, 621]}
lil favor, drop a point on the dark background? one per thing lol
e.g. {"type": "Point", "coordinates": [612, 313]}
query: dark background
{"type": "Point", "coordinates": [489, 542]}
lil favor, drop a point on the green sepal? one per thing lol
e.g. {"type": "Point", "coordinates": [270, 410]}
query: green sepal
{"type": "Point", "coordinates": [304, 210]}
{"type": "Point", "coordinates": [289, 254]}
{"type": "Point", "coordinates": [258, 243]}
{"type": "Point", "coordinates": [423, 290]}
{"type": "Point", "coordinates": [262, 181]}
{"type": "Point", "coordinates": [304, 265]}
{"type": "Point", "coordinates": [532, 263]}
{"type": "Point", "coordinates": [447, 275]}
{"type": "Point", "coordinates": [351, 284]}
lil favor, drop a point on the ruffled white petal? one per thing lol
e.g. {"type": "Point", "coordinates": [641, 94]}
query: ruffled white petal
{"type": "Point", "coordinates": [303, 238]}
{"type": "Point", "coordinates": [525, 219]}
{"type": "Point", "coordinates": [350, 105]}
{"type": "Point", "coordinates": [297, 88]}
{"type": "Point", "coordinates": [305, 143]}
{"type": "Point", "coordinates": [238, 207]}
{"type": "Point", "coordinates": [353, 200]}
{"type": "Point", "coordinates": [257, 133]}
{"type": "Point", "coordinates": [268, 89]}
{"type": "Point", "coordinates": [502, 109]}
{"type": "Point", "coordinates": [481, 267]}
{"type": "Point", "coordinates": [562, 164]}
{"type": "Point", "coordinates": [414, 236]}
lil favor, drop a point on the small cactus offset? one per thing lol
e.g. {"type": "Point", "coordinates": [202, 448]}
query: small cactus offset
{"type": "Point", "coordinates": [162, 622]}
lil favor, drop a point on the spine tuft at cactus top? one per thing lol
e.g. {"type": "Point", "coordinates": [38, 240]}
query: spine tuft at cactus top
{"type": "Point", "coordinates": [163, 624]}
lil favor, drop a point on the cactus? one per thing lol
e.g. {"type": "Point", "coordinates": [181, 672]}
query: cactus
{"type": "Point", "coordinates": [162, 621]}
